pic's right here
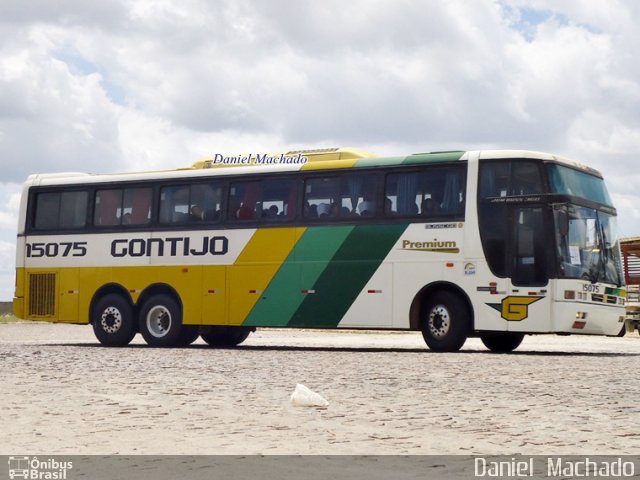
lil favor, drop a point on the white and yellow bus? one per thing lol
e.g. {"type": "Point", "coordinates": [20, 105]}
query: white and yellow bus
{"type": "Point", "coordinates": [495, 244]}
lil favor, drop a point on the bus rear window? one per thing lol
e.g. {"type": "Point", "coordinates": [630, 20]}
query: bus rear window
{"type": "Point", "coordinates": [60, 210]}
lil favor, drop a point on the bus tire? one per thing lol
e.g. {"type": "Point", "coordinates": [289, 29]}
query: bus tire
{"type": "Point", "coordinates": [224, 336]}
{"type": "Point", "coordinates": [501, 342]}
{"type": "Point", "coordinates": [445, 322]}
{"type": "Point", "coordinates": [160, 321]}
{"type": "Point", "coordinates": [190, 334]}
{"type": "Point", "coordinates": [113, 321]}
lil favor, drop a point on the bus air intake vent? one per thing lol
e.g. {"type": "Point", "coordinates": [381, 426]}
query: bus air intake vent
{"type": "Point", "coordinates": [42, 294]}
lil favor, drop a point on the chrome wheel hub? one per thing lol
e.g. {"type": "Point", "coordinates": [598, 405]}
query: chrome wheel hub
{"type": "Point", "coordinates": [111, 320]}
{"type": "Point", "coordinates": [159, 321]}
{"type": "Point", "coordinates": [439, 321]}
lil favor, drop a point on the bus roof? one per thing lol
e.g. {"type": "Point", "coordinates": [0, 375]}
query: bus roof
{"type": "Point", "coordinates": [318, 159]}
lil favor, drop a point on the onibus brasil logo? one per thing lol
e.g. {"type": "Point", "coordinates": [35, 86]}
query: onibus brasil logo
{"type": "Point", "coordinates": [38, 469]}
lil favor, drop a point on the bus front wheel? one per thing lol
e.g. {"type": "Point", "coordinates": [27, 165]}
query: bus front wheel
{"type": "Point", "coordinates": [445, 322]}
{"type": "Point", "coordinates": [113, 321]}
{"type": "Point", "coordinates": [502, 342]}
{"type": "Point", "coordinates": [160, 321]}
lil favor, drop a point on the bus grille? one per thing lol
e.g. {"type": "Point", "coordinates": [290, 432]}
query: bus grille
{"type": "Point", "coordinates": [42, 294]}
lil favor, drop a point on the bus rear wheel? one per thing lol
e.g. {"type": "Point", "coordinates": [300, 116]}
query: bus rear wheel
{"type": "Point", "coordinates": [502, 342]}
{"type": "Point", "coordinates": [160, 322]}
{"type": "Point", "coordinates": [113, 321]}
{"type": "Point", "coordinates": [445, 322]}
{"type": "Point", "coordinates": [224, 336]}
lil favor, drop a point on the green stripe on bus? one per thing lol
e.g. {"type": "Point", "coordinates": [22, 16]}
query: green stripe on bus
{"type": "Point", "coordinates": [345, 276]}
{"type": "Point", "coordinates": [300, 271]}
{"type": "Point", "coordinates": [434, 157]}
{"type": "Point", "coordinates": [378, 161]}
{"type": "Point", "coordinates": [417, 159]}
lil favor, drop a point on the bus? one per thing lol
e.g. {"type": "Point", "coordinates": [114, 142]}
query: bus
{"type": "Point", "coordinates": [457, 244]}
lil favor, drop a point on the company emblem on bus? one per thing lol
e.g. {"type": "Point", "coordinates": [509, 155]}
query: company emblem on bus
{"type": "Point", "coordinates": [447, 246]}
{"type": "Point", "coordinates": [514, 308]}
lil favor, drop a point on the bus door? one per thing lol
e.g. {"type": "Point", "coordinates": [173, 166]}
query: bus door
{"type": "Point", "coordinates": [527, 308]}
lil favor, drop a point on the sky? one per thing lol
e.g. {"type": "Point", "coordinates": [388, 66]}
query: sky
{"type": "Point", "coordinates": [124, 85]}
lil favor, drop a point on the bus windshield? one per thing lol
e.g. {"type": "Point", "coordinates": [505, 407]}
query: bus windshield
{"type": "Point", "coordinates": [567, 181]}
{"type": "Point", "coordinates": [587, 244]}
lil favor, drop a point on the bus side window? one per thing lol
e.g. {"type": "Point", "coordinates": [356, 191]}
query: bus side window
{"type": "Point", "coordinates": [278, 199]}
{"type": "Point", "coordinates": [61, 210]}
{"type": "Point", "coordinates": [174, 204]}
{"type": "Point", "coordinates": [401, 190]}
{"type": "Point", "coordinates": [47, 210]}
{"type": "Point", "coordinates": [513, 177]}
{"type": "Point", "coordinates": [242, 200]}
{"type": "Point", "coordinates": [108, 207]}
{"type": "Point", "coordinates": [320, 196]}
{"type": "Point", "coordinates": [433, 192]}
{"type": "Point", "coordinates": [137, 206]}
{"type": "Point", "coordinates": [73, 209]}
{"type": "Point", "coordinates": [494, 179]}
{"type": "Point", "coordinates": [358, 196]}
{"type": "Point", "coordinates": [526, 178]}
{"type": "Point", "coordinates": [205, 202]}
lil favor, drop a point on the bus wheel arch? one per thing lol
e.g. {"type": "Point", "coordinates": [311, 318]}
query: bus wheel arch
{"type": "Point", "coordinates": [444, 314]}
{"type": "Point", "coordinates": [113, 316]}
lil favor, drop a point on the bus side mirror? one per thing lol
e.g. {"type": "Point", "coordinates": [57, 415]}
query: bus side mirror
{"type": "Point", "coordinates": [563, 222]}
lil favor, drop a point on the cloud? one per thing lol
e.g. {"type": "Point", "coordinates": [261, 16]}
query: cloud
{"type": "Point", "coordinates": [51, 119]}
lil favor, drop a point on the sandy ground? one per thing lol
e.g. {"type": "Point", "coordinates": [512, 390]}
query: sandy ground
{"type": "Point", "coordinates": [64, 394]}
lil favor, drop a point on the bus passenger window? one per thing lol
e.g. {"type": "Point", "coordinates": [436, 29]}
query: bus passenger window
{"type": "Point", "coordinates": [431, 193]}
{"type": "Point", "coordinates": [199, 202]}
{"type": "Point", "coordinates": [205, 202]}
{"type": "Point", "coordinates": [502, 178]}
{"type": "Point", "coordinates": [174, 204]}
{"type": "Point", "coordinates": [349, 196]}
{"type": "Point", "coordinates": [136, 206]}
{"type": "Point", "coordinates": [320, 194]}
{"type": "Point", "coordinates": [358, 195]}
{"type": "Point", "coordinates": [108, 207]}
{"type": "Point", "coordinates": [242, 200]}
{"type": "Point", "coordinates": [277, 200]}
{"type": "Point", "coordinates": [47, 210]}
{"type": "Point", "coordinates": [128, 206]}
{"type": "Point", "coordinates": [61, 210]}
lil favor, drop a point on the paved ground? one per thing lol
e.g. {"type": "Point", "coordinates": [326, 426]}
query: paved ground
{"type": "Point", "coordinates": [63, 394]}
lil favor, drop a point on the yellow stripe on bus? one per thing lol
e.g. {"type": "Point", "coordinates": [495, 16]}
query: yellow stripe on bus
{"type": "Point", "coordinates": [255, 267]}
{"type": "Point", "coordinates": [349, 163]}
